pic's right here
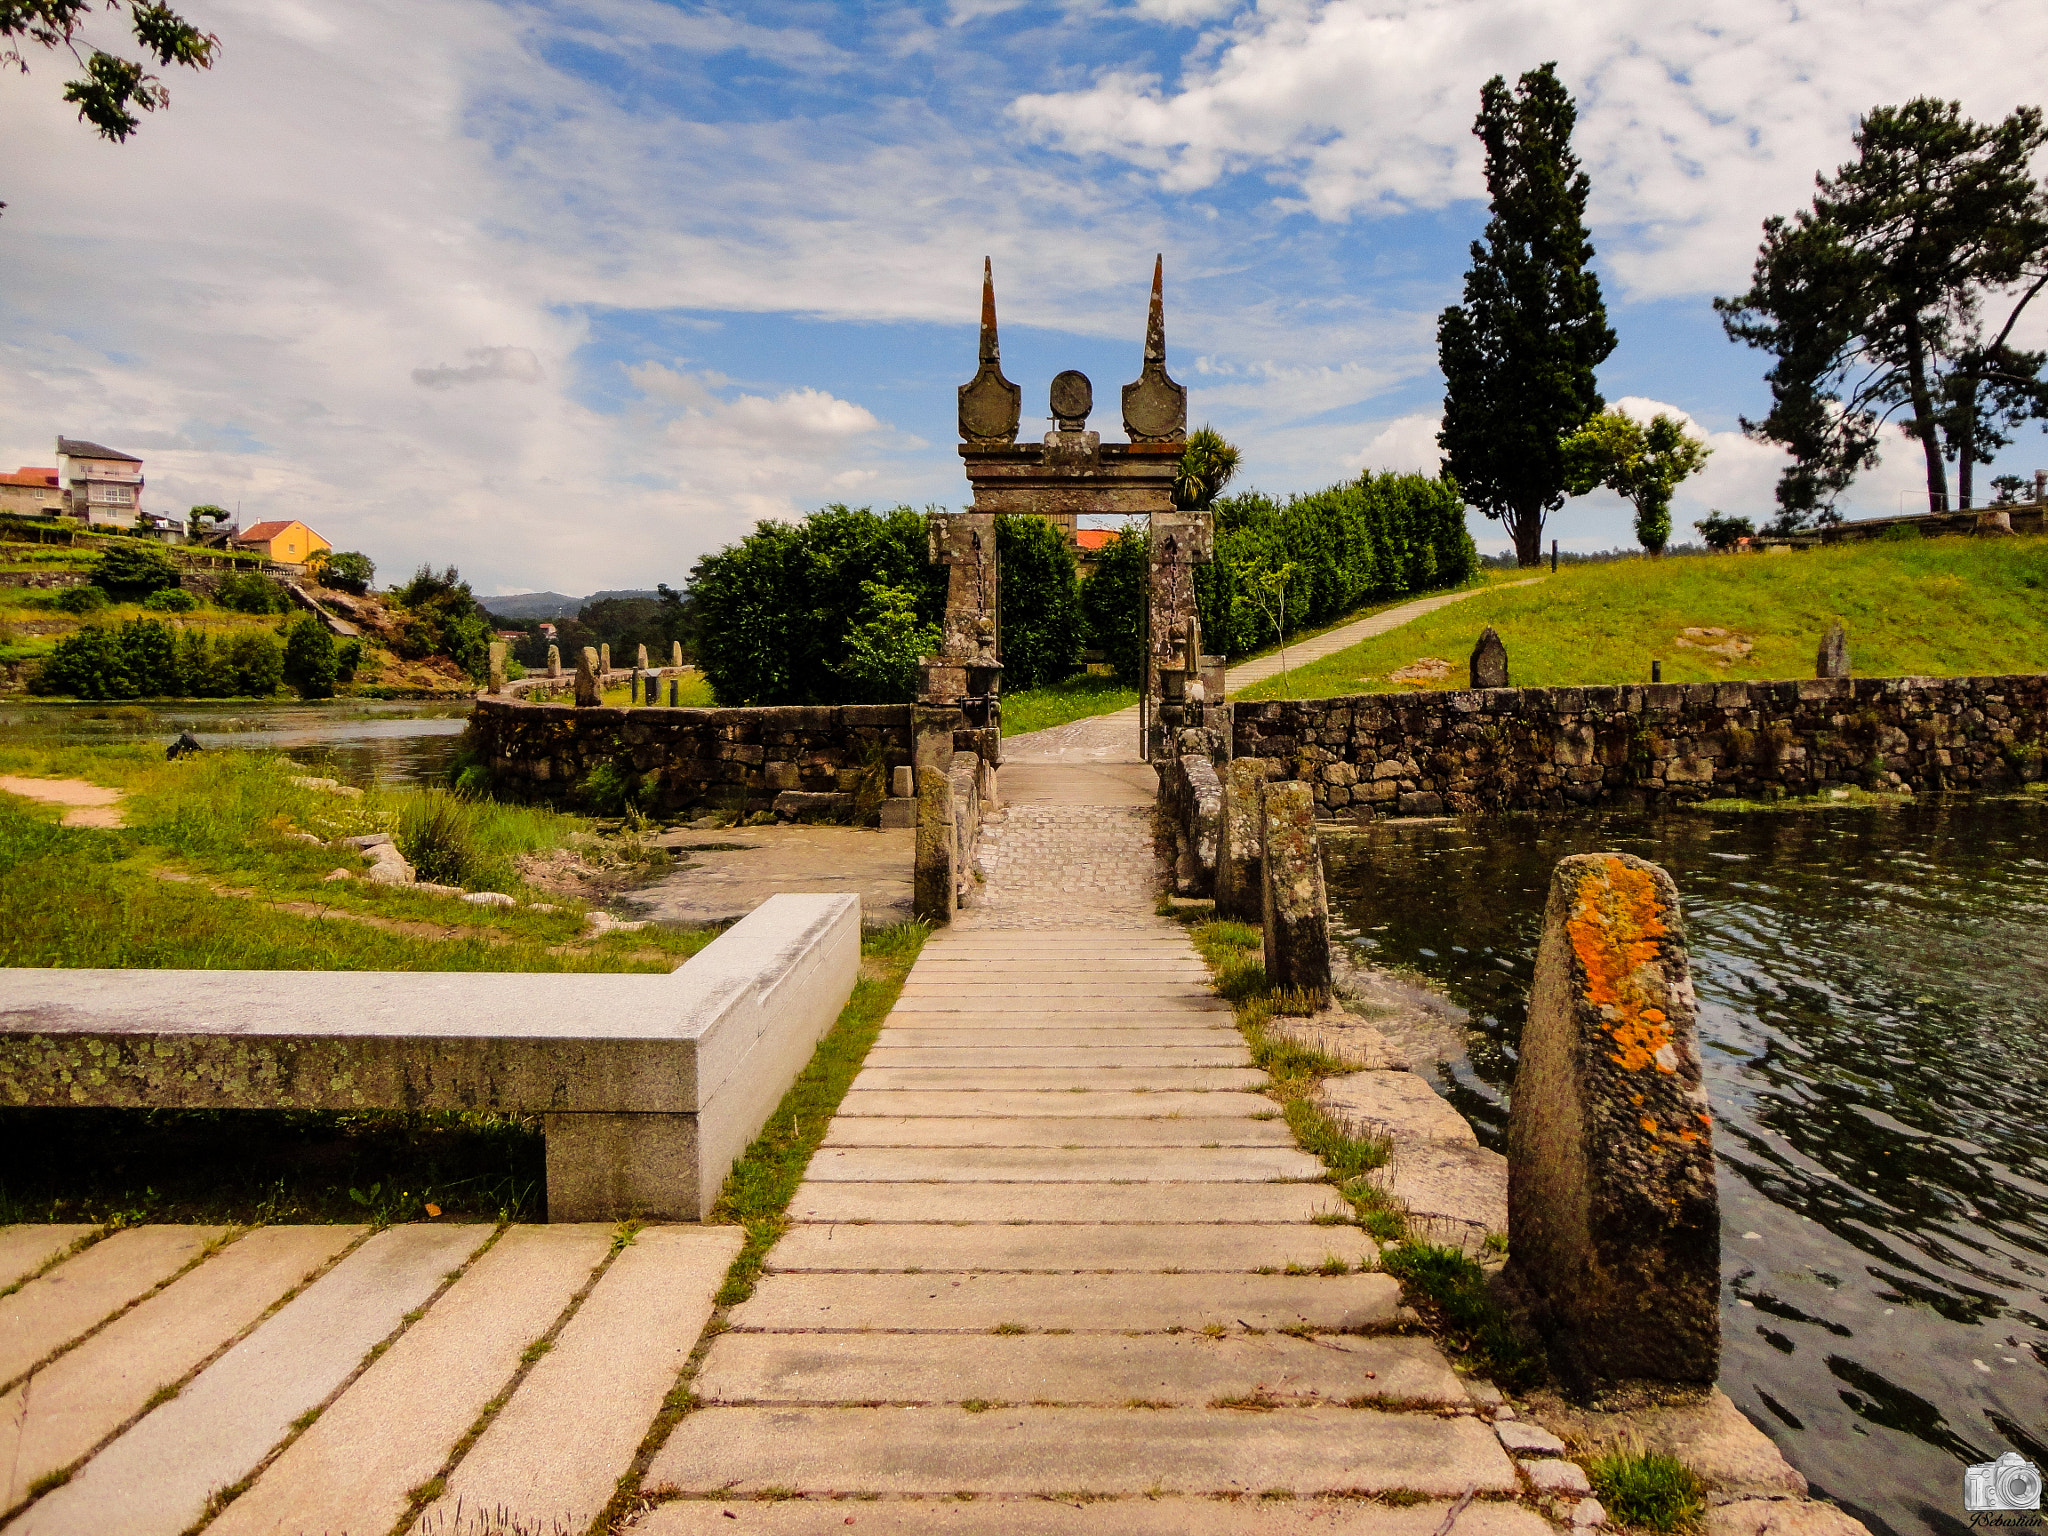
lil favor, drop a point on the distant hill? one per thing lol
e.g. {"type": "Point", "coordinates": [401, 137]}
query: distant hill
{"type": "Point", "coordinates": [547, 605]}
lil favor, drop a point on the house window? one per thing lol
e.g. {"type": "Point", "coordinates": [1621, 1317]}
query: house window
{"type": "Point", "coordinates": [113, 495]}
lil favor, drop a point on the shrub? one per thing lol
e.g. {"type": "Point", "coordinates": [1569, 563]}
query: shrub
{"type": "Point", "coordinates": [1041, 603]}
{"type": "Point", "coordinates": [774, 613]}
{"type": "Point", "coordinates": [310, 663]}
{"type": "Point", "coordinates": [137, 660]}
{"type": "Point", "coordinates": [443, 619]}
{"type": "Point", "coordinates": [135, 567]}
{"type": "Point", "coordinates": [349, 571]}
{"type": "Point", "coordinates": [1721, 532]}
{"type": "Point", "coordinates": [883, 650]}
{"type": "Point", "coordinates": [81, 600]}
{"type": "Point", "coordinates": [1899, 533]}
{"type": "Point", "coordinates": [168, 600]}
{"type": "Point", "coordinates": [1647, 1490]}
{"type": "Point", "coordinates": [1113, 602]}
{"type": "Point", "coordinates": [348, 656]}
{"type": "Point", "coordinates": [250, 664]}
{"type": "Point", "coordinates": [246, 592]}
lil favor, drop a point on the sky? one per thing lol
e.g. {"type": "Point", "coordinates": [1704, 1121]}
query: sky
{"type": "Point", "coordinates": [569, 295]}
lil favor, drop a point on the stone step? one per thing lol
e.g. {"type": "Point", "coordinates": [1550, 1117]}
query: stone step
{"type": "Point", "coordinates": [1093, 1303]}
{"type": "Point", "coordinates": [50, 1421]}
{"type": "Point", "coordinates": [1058, 1079]}
{"type": "Point", "coordinates": [54, 1308]}
{"type": "Point", "coordinates": [1181, 1370]}
{"type": "Point", "coordinates": [157, 1478]}
{"type": "Point", "coordinates": [553, 1456]}
{"type": "Point", "coordinates": [1052, 1104]}
{"type": "Point", "coordinates": [1229, 1053]}
{"type": "Point", "coordinates": [1038, 1037]}
{"type": "Point", "coordinates": [1173, 1204]}
{"type": "Point", "coordinates": [1172, 1515]}
{"type": "Point", "coordinates": [1059, 1131]}
{"type": "Point", "coordinates": [26, 1249]}
{"type": "Point", "coordinates": [1091, 1246]}
{"type": "Point", "coordinates": [351, 1471]}
{"type": "Point", "coordinates": [1057, 1165]}
{"type": "Point", "coordinates": [1081, 1450]}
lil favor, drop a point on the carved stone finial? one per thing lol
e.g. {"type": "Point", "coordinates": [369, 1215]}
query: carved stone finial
{"type": "Point", "coordinates": [1156, 408]}
{"type": "Point", "coordinates": [1073, 397]}
{"type": "Point", "coordinates": [989, 403]}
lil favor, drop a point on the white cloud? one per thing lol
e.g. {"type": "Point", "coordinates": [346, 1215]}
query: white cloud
{"type": "Point", "coordinates": [1694, 126]}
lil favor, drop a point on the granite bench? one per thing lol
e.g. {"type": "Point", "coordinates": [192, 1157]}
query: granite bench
{"type": "Point", "coordinates": [649, 1086]}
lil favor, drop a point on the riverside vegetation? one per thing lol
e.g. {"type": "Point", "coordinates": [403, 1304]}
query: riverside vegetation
{"type": "Point", "coordinates": [1929, 607]}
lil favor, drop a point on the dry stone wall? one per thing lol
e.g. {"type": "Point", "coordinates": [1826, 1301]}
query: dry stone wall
{"type": "Point", "coordinates": [710, 759]}
{"type": "Point", "coordinates": [1501, 749]}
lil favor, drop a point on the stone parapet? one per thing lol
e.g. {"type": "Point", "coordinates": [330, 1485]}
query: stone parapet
{"type": "Point", "coordinates": [1501, 749]}
{"type": "Point", "coordinates": [650, 1086]}
{"type": "Point", "coordinates": [697, 759]}
{"type": "Point", "coordinates": [1296, 910]}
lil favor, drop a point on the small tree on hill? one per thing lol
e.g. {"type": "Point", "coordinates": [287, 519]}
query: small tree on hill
{"type": "Point", "coordinates": [310, 663]}
{"type": "Point", "coordinates": [134, 568]}
{"type": "Point", "coordinates": [348, 570]}
{"type": "Point", "coordinates": [1722, 533]}
{"type": "Point", "coordinates": [1518, 355]}
{"type": "Point", "coordinates": [1642, 464]}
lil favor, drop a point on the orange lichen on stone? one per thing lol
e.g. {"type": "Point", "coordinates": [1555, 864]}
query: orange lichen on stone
{"type": "Point", "coordinates": [1614, 932]}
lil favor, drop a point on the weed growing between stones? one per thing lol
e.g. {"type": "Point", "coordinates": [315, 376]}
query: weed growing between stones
{"type": "Point", "coordinates": [1647, 1490]}
{"type": "Point", "coordinates": [1452, 1291]}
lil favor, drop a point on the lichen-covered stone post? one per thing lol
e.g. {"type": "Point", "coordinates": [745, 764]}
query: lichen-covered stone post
{"type": "Point", "coordinates": [1241, 843]}
{"type": "Point", "coordinates": [586, 679]}
{"type": "Point", "coordinates": [497, 666]}
{"type": "Point", "coordinates": [604, 657]}
{"type": "Point", "coordinates": [554, 661]}
{"type": "Point", "coordinates": [1489, 661]}
{"type": "Point", "coordinates": [675, 654]}
{"type": "Point", "coordinates": [1295, 907]}
{"type": "Point", "coordinates": [1833, 660]}
{"type": "Point", "coordinates": [933, 892]}
{"type": "Point", "coordinates": [1614, 1232]}
{"type": "Point", "coordinates": [640, 659]}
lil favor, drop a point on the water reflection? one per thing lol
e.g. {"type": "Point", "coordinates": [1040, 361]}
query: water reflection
{"type": "Point", "coordinates": [1874, 1016]}
{"type": "Point", "coordinates": [359, 742]}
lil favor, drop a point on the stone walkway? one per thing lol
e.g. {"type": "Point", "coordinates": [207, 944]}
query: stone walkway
{"type": "Point", "coordinates": [1037, 1278]}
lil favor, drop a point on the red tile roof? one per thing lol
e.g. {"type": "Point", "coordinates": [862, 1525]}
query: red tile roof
{"type": "Point", "coordinates": [30, 475]}
{"type": "Point", "coordinates": [1095, 538]}
{"type": "Point", "coordinates": [265, 530]}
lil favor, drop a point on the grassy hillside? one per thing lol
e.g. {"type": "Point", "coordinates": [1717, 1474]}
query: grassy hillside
{"type": "Point", "coordinates": [1935, 607]}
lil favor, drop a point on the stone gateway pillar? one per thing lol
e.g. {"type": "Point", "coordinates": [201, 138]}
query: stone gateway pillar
{"type": "Point", "coordinates": [1614, 1229]}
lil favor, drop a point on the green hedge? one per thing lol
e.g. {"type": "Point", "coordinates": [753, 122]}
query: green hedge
{"type": "Point", "coordinates": [1041, 603]}
{"type": "Point", "coordinates": [1364, 541]}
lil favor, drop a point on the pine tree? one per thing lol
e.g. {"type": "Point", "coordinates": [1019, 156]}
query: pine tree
{"type": "Point", "coordinates": [1518, 355]}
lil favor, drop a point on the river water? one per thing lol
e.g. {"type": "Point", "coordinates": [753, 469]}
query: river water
{"type": "Point", "coordinates": [1874, 1023]}
{"type": "Point", "coordinates": [395, 743]}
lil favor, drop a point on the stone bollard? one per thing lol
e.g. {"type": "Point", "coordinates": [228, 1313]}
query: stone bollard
{"type": "Point", "coordinates": [932, 890]}
{"type": "Point", "coordinates": [675, 693]}
{"type": "Point", "coordinates": [1241, 843]}
{"type": "Point", "coordinates": [497, 666]}
{"type": "Point", "coordinates": [1294, 906]}
{"type": "Point", "coordinates": [1489, 661]}
{"type": "Point", "coordinates": [675, 654]}
{"type": "Point", "coordinates": [902, 781]}
{"type": "Point", "coordinates": [554, 661]}
{"type": "Point", "coordinates": [604, 657]}
{"type": "Point", "coordinates": [640, 659]}
{"type": "Point", "coordinates": [1833, 660]}
{"type": "Point", "coordinates": [586, 679]}
{"type": "Point", "coordinates": [1614, 1230]}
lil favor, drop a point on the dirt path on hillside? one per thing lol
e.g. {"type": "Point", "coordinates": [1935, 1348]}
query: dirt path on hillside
{"type": "Point", "coordinates": [89, 805]}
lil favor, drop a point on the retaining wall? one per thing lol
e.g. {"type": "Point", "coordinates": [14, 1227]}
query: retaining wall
{"type": "Point", "coordinates": [716, 759]}
{"type": "Point", "coordinates": [1538, 748]}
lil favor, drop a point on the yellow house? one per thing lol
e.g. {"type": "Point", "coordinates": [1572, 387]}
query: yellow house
{"type": "Point", "coordinates": [289, 543]}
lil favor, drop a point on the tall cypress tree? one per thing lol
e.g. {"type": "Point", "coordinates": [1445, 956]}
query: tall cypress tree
{"type": "Point", "coordinates": [1518, 355]}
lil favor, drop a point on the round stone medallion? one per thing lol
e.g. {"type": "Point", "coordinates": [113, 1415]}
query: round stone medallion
{"type": "Point", "coordinates": [1073, 397]}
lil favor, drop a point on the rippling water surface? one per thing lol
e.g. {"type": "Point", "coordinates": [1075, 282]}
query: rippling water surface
{"type": "Point", "coordinates": [1874, 1017]}
{"type": "Point", "coordinates": [394, 743]}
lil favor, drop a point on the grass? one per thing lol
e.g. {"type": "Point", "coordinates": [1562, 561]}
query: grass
{"type": "Point", "coordinates": [1078, 698]}
{"type": "Point", "coordinates": [1647, 1490]}
{"type": "Point", "coordinates": [1934, 607]}
{"type": "Point", "coordinates": [149, 896]}
{"type": "Point", "coordinates": [1452, 1291]}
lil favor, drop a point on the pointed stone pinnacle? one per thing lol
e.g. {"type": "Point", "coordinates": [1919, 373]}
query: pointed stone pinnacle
{"type": "Point", "coordinates": [1155, 323]}
{"type": "Point", "coordinates": [991, 348]}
